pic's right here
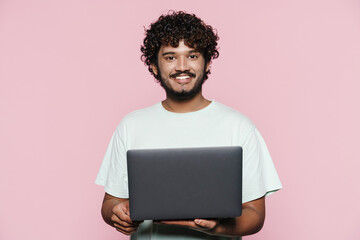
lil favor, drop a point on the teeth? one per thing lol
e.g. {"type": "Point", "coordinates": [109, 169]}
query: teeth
{"type": "Point", "coordinates": [182, 77]}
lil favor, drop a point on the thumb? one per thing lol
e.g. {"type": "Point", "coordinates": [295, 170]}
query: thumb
{"type": "Point", "coordinates": [209, 224]}
{"type": "Point", "coordinates": [126, 209]}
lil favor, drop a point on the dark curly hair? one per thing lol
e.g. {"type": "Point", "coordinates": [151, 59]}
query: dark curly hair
{"type": "Point", "coordinates": [169, 29]}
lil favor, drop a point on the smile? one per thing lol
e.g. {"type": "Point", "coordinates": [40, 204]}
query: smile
{"type": "Point", "coordinates": [182, 77]}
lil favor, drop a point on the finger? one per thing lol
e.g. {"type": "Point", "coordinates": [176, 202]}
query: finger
{"type": "Point", "coordinates": [124, 232]}
{"type": "Point", "coordinates": [124, 224]}
{"type": "Point", "coordinates": [125, 209]}
{"type": "Point", "coordinates": [122, 221]}
{"type": "Point", "coordinates": [187, 223]}
{"type": "Point", "coordinates": [122, 215]}
{"type": "Point", "coordinates": [125, 228]}
{"type": "Point", "coordinates": [209, 224]}
{"type": "Point", "coordinates": [137, 222]}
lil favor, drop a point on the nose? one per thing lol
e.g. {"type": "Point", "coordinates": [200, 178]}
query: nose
{"type": "Point", "coordinates": [182, 64]}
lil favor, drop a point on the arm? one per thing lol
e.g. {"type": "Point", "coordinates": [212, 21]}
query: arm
{"type": "Point", "coordinates": [115, 212]}
{"type": "Point", "coordinates": [250, 222]}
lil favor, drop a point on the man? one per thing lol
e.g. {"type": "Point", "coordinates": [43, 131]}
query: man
{"type": "Point", "coordinates": [178, 49]}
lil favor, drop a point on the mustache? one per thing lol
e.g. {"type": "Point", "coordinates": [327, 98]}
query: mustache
{"type": "Point", "coordinates": [174, 75]}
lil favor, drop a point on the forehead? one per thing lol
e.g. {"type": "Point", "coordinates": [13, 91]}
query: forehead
{"type": "Point", "coordinates": [181, 48]}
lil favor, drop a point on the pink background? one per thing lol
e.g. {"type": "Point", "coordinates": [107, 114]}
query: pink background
{"type": "Point", "coordinates": [70, 70]}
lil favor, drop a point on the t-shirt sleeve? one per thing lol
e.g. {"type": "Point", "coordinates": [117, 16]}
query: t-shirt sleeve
{"type": "Point", "coordinates": [113, 171]}
{"type": "Point", "coordinates": [259, 174]}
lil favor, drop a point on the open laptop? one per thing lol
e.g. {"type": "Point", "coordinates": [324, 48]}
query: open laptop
{"type": "Point", "coordinates": [185, 183]}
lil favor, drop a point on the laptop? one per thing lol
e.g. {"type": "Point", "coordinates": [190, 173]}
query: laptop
{"type": "Point", "coordinates": [185, 183]}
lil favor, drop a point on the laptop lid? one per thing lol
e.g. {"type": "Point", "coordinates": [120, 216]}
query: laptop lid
{"type": "Point", "coordinates": [185, 183]}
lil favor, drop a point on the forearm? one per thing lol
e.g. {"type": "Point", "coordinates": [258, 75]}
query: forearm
{"type": "Point", "coordinates": [248, 223]}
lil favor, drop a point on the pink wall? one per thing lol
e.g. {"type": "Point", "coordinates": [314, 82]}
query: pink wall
{"type": "Point", "coordinates": [70, 70]}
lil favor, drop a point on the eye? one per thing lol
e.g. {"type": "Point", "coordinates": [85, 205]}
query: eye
{"type": "Point", "coordinates": [193, 56]}
{"type": "Point", "coordinates": [169, 58]}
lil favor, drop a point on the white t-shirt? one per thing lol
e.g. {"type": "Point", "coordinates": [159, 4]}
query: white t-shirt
{"type": "Point", "coordinates": [214, 125]}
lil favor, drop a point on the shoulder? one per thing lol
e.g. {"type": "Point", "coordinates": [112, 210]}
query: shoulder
{"type": "Point", "coordinates": [144, 112]}
{"type": "Point", "coordinates": [234, 116]}
{"type": "Point", "coordinates": [139, 116]}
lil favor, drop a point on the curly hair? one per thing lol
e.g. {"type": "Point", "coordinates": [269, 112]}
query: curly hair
{"type": "Point", "coordinates": [169, 29]}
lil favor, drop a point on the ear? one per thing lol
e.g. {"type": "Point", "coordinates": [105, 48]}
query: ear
{"type": "Point", "coordinates": [207, 67]}
{"type": "Point", "coordinates": [154, 69]}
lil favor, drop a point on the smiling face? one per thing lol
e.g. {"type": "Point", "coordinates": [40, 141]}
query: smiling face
{"type": "Point", "coordinates": [181, 71]}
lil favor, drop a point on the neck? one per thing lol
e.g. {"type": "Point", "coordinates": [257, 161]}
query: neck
{"type": "Point", "coordinates": [196, 103]}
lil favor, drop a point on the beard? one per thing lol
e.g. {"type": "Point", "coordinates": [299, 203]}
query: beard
{"type": "Point", "coordinates": [183, 94]}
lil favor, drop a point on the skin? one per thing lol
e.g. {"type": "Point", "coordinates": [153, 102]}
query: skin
{"type": "Point", "coordinates": [173, 60]}
{"type": "Point", "coordinates": [115, 211]}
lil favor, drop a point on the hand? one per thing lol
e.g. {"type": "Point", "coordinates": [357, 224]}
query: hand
{"type": "Point", "coordinates": [202, 225]}
{"type": "Point", "coordinates": [121, 219]}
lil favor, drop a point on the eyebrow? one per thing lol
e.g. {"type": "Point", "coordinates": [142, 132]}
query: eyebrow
{"type": "Point", "coordinates": [171, 53]}
{"type": "Point", "coordinates": [168, 53]}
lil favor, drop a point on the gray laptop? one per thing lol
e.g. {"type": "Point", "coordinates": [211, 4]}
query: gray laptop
{"type": "Point", "coordinates": [185, 183]}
